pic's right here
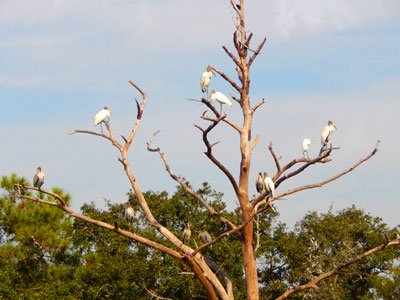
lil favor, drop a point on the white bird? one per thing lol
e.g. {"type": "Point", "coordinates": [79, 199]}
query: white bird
{"type": "Point", "coordinates": [38, 179]}
{"type": "Point", "coordinates": [129, 214]}
{"type": "Point", "coordinates": [306, 144]}
{"type": "Point", "coordinates": [101, 116]}
{"type": "Point", "coordinates": [205, 237]}
{"type": "Point", "coordinates": [327, 133]}
{"type": "Point", "coordinates": [205, 80]}
{"type": "Point", "coordinates": [186, 234]}
{"type": "Point", "coordinates": [260, 183]}
{"type": "Point", "coordinates": [269, 185]}
{"type": "Point", "coordinates": [221, 98]}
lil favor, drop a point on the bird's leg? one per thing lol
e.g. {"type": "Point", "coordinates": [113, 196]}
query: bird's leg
{"type": "Point", "coordinates": [221, 109]}
{"type": "Point", "coordinates": [101, 127]}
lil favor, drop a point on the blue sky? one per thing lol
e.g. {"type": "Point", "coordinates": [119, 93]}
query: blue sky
{"type": "Point", "coordinates": [62, 61]}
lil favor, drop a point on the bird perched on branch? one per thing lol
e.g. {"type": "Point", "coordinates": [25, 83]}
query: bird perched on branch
{"type": "Point", "coordinates": [129, 214]}
{"type": "Point", "coordinates": [327, 133]}
{"type": "Point", "coordinates": [269, 185]}
{"type": "Point", "coordinates": [221, 98]}
{"type": "Point", "coordinates": [186, 234]}
{"type": "Point", "coordinates": [205, 80]}
{"type": "Point", "coordinates": [260, 183]}
{"type": "Point", "coordinates": [101, 116]}
{"type": "Point", "coordinates": [38, 178]}
{"type": "Point", "coordinates": [205, 237]}
{"type": "Point", "coordinates": [306, 144]}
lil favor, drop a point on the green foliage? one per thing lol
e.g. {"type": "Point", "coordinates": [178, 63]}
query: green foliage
{"type": "Point", "coordinates": [45, 255]}
{"type": "Point", "coordinates": [321, 242]}
{"type": "Point", "coordinates": [115, 267]}
{"type": "Point", "coordinates": [33, 241]}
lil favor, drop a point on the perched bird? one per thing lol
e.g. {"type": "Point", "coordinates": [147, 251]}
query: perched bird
{"type": "Point", "coordinates": [327, 133]}
{"type": "Point", "coordinates": [221, 98]}
{"type": "Point", "coordinates": [306, 144]}
{"type": "Point", "coordinates": [269, 185]}
{"type": "Point", "coordinates": [205, 237]}
{"type": "Point", "coordinates": [186, 234]}
{"type": "Point", "coordinates": [101, 116]}
{"type": "Point", "coordinates": [38, 179]}
{"type": "Point", "coordinates": [205, 80]}
{"type": "Point", "coordinates": [260, 183]}
{"type": "Point", "coordinates": [129, 214]}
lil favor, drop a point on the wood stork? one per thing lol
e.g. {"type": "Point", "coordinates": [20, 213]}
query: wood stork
{"type": "Point", "coordinates": [205, 237]}
{"type": "Point", "coordinates": [38, 178]}
{"type": "Point", "coordinates": [306, 144]}
{"type": "Point", "coordinates": [101, 117]}
{"type": "Point", "coordinates": [186, 234]}
{"type": "Point", "coordinates": [221, 98]}
{"type": "Point", "coordinates": [269, 185]}
{"type": "Point", "coordinates": [205, 80]}
{"type": "Point", "coordinates": [327, 133]}
{"type": "Point", "coordinates": [260, 183]}
{"type": "Point", "coordinates": [129, 214]}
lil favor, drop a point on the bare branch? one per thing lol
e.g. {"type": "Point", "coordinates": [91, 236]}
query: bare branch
{"type": "Point", "coordinates": [185, 186]}
{"type": "Point", "coordinates": [223, 75]}
{"type": "Point", "coordinates": [278, 166]}
{"type": "Point", "coordinates": [202, 278]}
{"type": "Point", "coordinates": [258, 234]}
{"type": "Point", "coordinates": [37, 199]}
{"type": "Point", "coordinates": [235, 60]}
{"type": "Point", "coordinates": [140, 109]}
{"type": "Point", "coordinates": [109, 137]}
{"type": "Point", "coordinates": [320, 159]}
{"type": "Point", "coordinates": [253, 57]}
{"type": "Point", "coordinates": [235, 98]}
{"type": "Point", "coordinates": [54, 195]}
{"type": "Point", "coordinates": [136, 87]}
{"type": "Point", "coordinates": [257, 106]}
{"type": "Point", "coordinates": [254, 143]}
{"type": "Point", "coordinates": [89, 132]}
{"type": "Point", "coordinates": [336, 270]}
{"type": "Point", "coordinates": [319, 184]}
{"type": "Point", "coordinates": [218, 115]}
{"type": "Point", "coordinates": [209, 154]}
{"type": "Point", "coordinates": [110, 227]}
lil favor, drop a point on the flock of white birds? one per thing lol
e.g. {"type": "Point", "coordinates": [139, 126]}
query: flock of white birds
{"type": "Point", "coordinates": [263, 182]}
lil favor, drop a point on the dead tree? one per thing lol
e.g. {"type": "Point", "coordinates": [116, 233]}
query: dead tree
{"type": "Point", "coordinates": [205, 269]}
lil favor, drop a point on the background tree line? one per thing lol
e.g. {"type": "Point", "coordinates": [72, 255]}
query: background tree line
{"type": "Point", "coordinates": [44, 254]}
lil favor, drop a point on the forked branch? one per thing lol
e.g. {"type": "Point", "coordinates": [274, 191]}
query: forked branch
{"type": "Point", "coordinates": [218, 115]}
{"type": "Point", "coordinates": [209, 154]}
